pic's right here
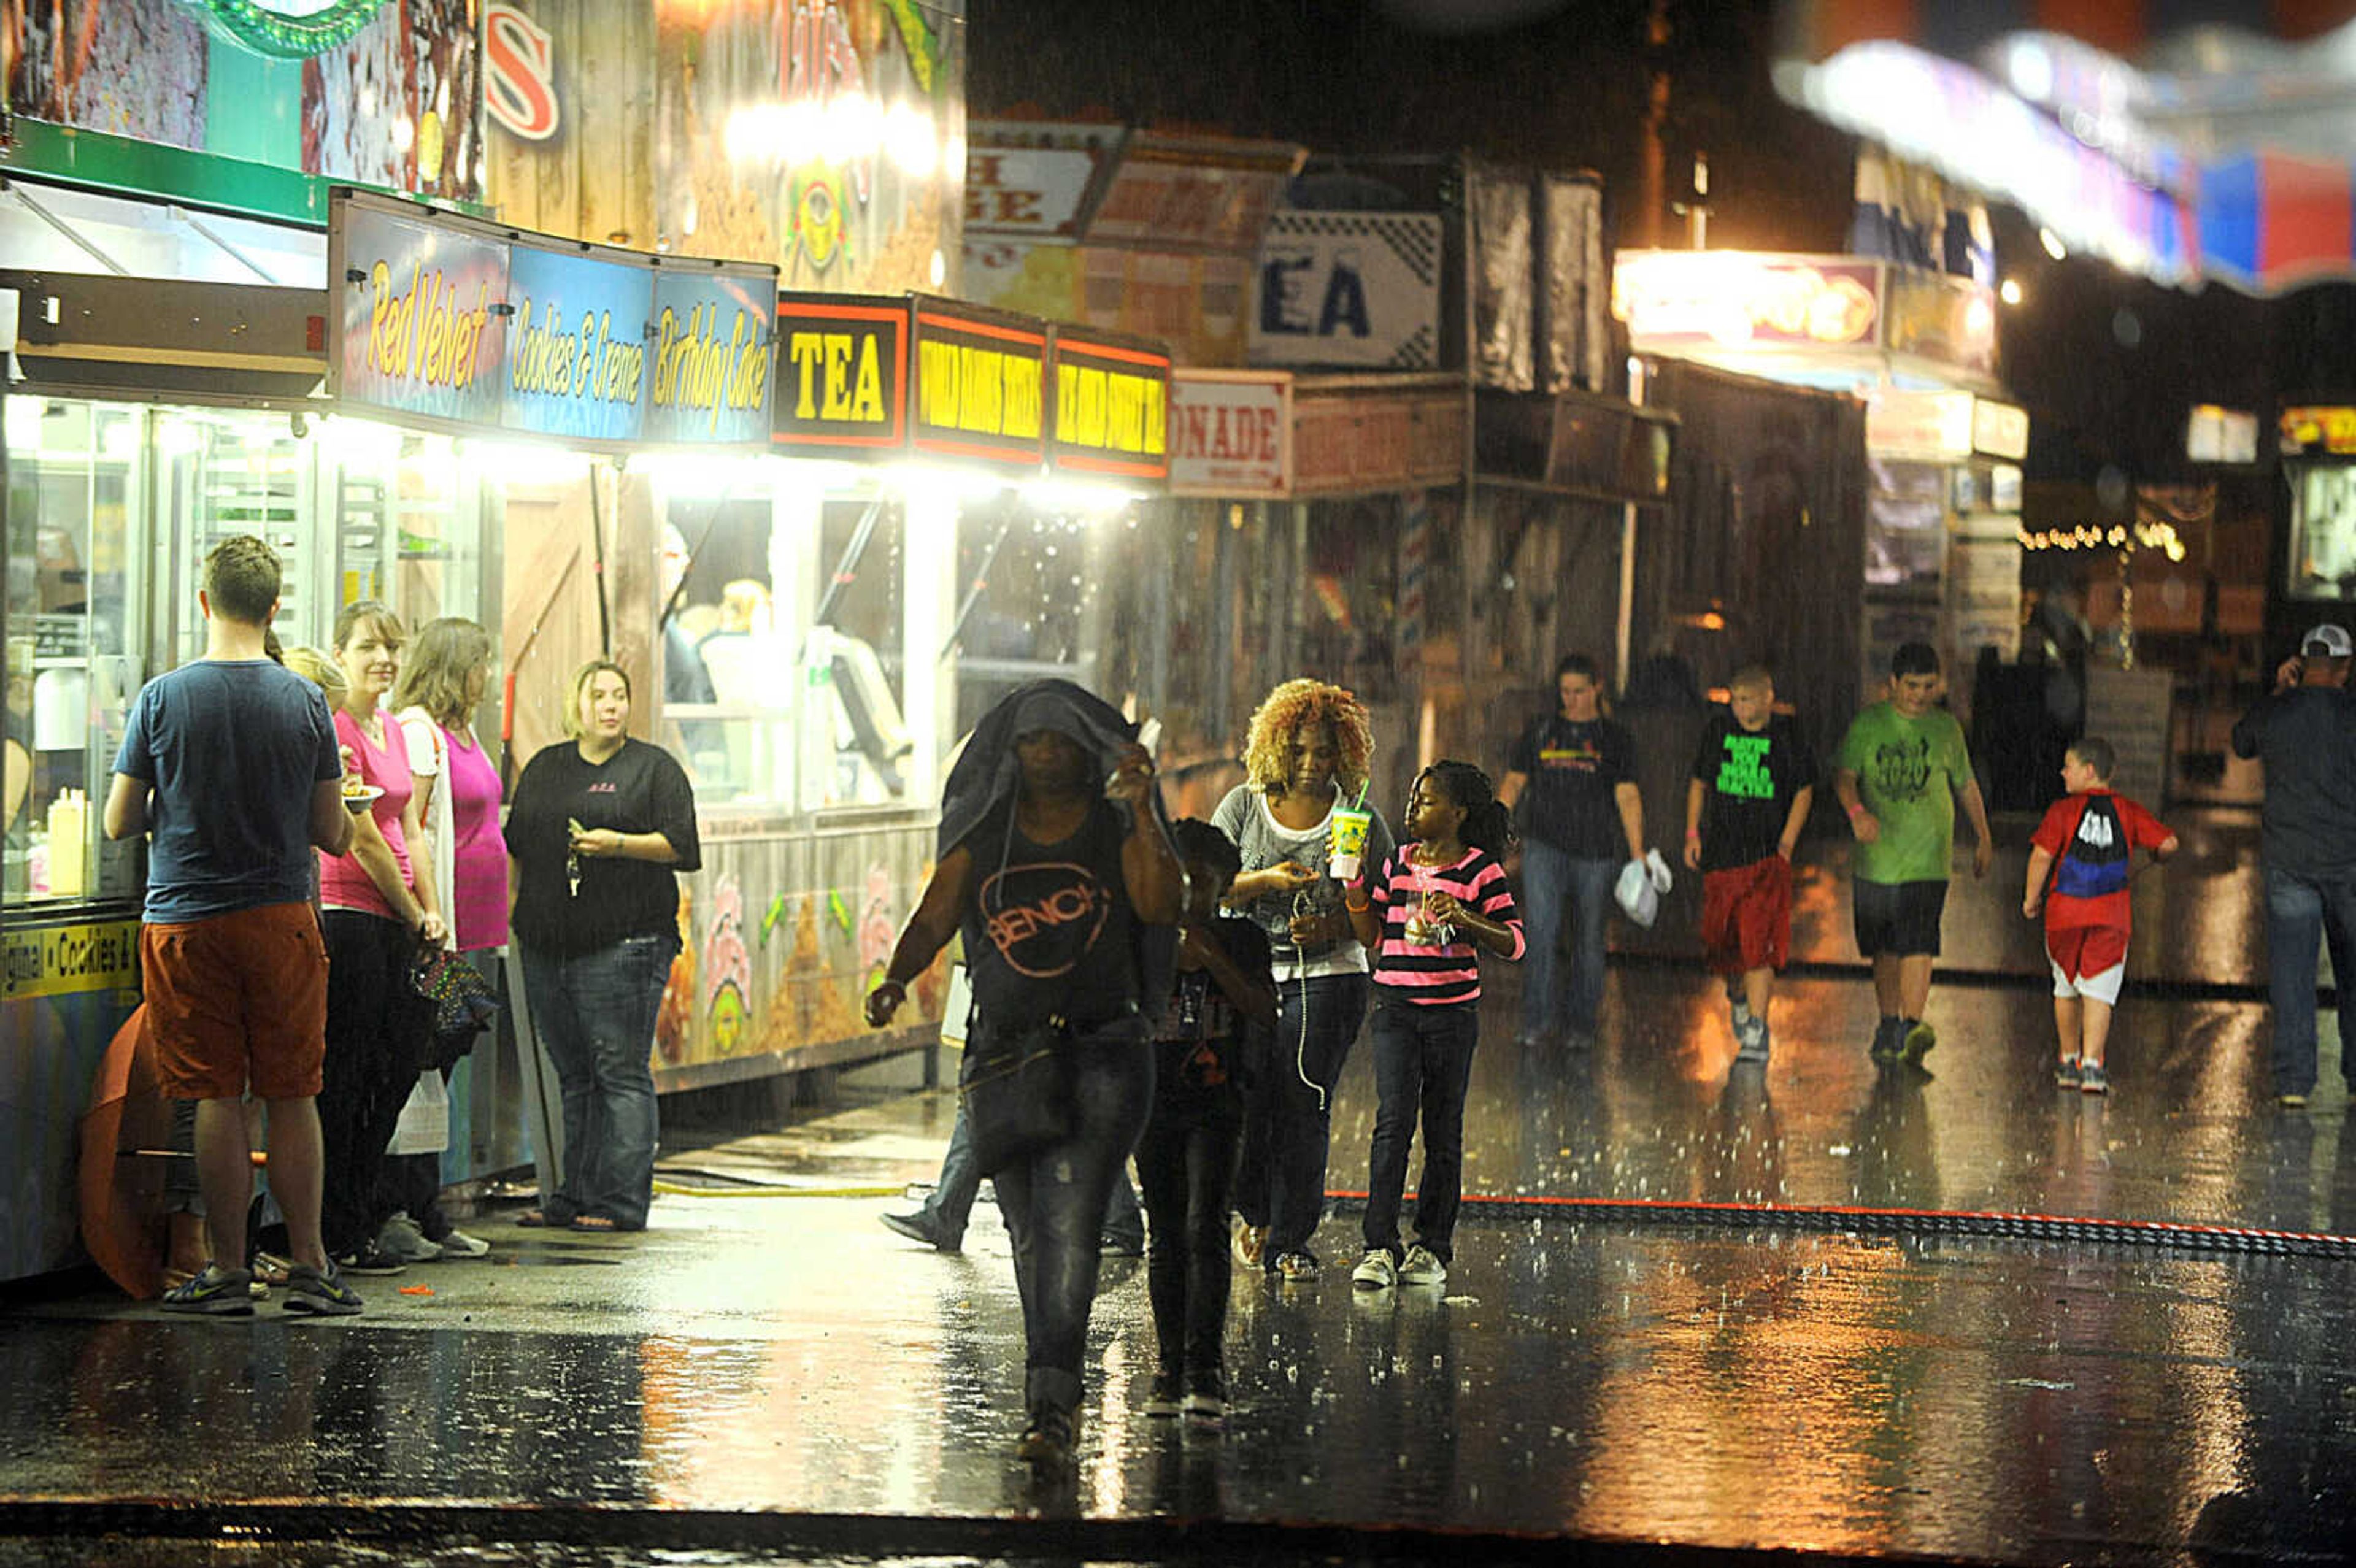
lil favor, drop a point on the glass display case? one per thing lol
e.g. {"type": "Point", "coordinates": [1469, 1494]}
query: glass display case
{"type": "Point", "coordinates": [76, 634]}
{"type": "Point", "coordinates": [2321, 561]}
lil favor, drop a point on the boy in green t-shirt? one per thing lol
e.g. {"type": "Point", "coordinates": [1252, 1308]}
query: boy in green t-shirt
{"type": "Point", "coordinates": [1903, 767]}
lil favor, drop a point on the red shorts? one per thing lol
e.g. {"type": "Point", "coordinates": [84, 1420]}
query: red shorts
{"type": "Point", "coordinates": [2083, 954]}
{"type": "Point", "coordinates": [1746, 915]}
{"type": "Point", "coordinates": [237, 1001]}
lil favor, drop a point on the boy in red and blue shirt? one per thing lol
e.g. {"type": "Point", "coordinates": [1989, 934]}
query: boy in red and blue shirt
{"type": "Point", "coordinates": [2079, 868]}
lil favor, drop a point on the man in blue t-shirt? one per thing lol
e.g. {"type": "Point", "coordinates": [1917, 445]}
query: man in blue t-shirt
{"type": "Point", "coordinates": [230, 764]}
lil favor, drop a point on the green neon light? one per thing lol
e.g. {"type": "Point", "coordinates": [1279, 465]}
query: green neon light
{"type": "Point", "coordinates": [282, 31]}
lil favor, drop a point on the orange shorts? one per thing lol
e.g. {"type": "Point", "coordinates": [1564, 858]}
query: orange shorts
{"type": "Point", "coordinates": [237, 1001]}
{"type": "Point", "coordinates": [2088, 961]}
{"type": "Point", "coordinates": [1746, 915]}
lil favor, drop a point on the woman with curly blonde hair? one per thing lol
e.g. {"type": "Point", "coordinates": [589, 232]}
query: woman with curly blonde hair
{"type": "Point", "coordinates": [1307, 751]}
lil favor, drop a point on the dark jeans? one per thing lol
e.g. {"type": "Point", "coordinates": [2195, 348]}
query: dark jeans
{"type": "Point", "coordinates": [1423, 1062]}
{"type": "Point", "coordinates": [1288, 1125]}
{"type": "Point", "coordinates": [2299, 908]}
{"type": "Point", "coordinates": [376, 1044]}
{"type": "Point", "coordinates": [1186, 1163]}
{"type": "Point", "coordinates": [1053, 1204]}
{"type": "Point", "coordinates": [596, 1015]}
{"type": "Point", "coordinates": [959, 1183]}
{"type": "Point", "coordinates": [1552, 879]}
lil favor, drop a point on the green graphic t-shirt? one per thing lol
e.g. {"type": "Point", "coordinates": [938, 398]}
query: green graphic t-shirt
{"type": "Point", "coordinates": [1908, 771]}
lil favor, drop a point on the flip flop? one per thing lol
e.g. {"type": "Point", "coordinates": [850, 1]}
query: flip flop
{"type": "Point", "coordinates": [540, 1220]}
{"type": "Point", "coordinates": [598, 1223]}
{"type": "Point", "coordinates": [272, 1269]}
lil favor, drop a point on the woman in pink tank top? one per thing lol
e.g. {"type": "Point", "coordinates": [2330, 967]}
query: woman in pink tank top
{"type": "Point", "coordinates": [378, 907]}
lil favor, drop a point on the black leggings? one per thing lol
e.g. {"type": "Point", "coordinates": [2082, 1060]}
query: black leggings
{"type": "Point", "coordinates": [1186, 1164]}
{"type": "Point", "coordinates": [376, 1043]}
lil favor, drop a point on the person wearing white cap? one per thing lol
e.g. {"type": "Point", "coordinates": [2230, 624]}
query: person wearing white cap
{"type": "Point", "coordinates": [2305, 732]}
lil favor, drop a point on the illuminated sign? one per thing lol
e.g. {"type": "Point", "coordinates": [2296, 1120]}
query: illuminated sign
{"type": "Point", "coordinates": [2313, 431]}
{"type": "Point", "coordinates": [1733, 299]}
{"type": "Point", "coordinates": [842, 376]}
{"type": "Point", "coordinates": [1112, 405]}
{"type": "Point", "coordinates": [68, 960]}
{"type": "Point", "coordinates": [450, 322]}
{"type": "Point", "coordinates": [980, 385]}
{"type": "Point", "coordinates": [1934, 425]}
{"type": "Point", "coordinates": [1999, 430]}
{"type": "Point", "coordinates": [1230, 433]}
{"type": "Point", "coordinates": [2212, 434]}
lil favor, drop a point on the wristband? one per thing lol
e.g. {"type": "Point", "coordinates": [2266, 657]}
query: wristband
{"type": "Point", "coordinates": [1693, 833]}
{"type": "Point", "coordinates": [1854, 811]}
{"type": "Point", "coordinates": [895, 984]}
{"type": "Point", "coordinates": [1357, 909]}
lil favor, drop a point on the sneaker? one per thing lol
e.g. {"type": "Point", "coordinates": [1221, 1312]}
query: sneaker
{"type": "Point", "coordinates": [1422, 1267]}
{"type": "Point", "coordinates": [920, 1226]}
{"type": "Point", "coordinates": [1120, 1246]}
{"type": "Point", "coordinates": [1206, 1397]}
{"type": "Point", "coordinates": [1741, 1014]}
{"type": "Point", "coordinates": [400, 1240]}
{"type": "Point", "coordinates": [2070, 1074]}
{"type": "Point", "coordinates": [2092, 1080]}
{"type": "Point", "coordinates": [213, 1292]}
{"type": "Point", "coordinates": [320, 1295]}
{"type": "Point", "coordinates": [2292, 1102]}
{"type": "Point", "coordinates": [1162, 1402]}
{"type": "Point", "coordinates": [1047, 1440]}
{"type": "Point", "coordinates": [1377, 1271]}
{"type": "Point", "coordinates": [1916, 1038]}
{"type": "Point", "coordinates": [1750, 1039]}
{"type": "Point", "coordinates": [458, 1245]}
{"type": "Point", "coordinates": [1888, 1039]}
{"type": "Point", "coordinates": [367, 1258]}
{"type": "Point", "coordinates": [1250, 1243]}
{"type": "Point", "coordinates": [1296, 1268]}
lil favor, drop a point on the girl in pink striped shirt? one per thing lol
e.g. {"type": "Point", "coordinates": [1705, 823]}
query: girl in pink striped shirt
{"type": "Point", "coordinates": [1435, 902]}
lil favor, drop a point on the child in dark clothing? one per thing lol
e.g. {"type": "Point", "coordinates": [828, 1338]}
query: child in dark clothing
{"type": "Point", "coordinates": [1425, 914]}
{"type": "Point", "coordinates": [1186, 1155]}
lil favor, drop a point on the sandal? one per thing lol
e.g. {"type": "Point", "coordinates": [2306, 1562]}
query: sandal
{"type": "Point", "coordinates": [541, 1219]}
{"type": "Point", "coordinates": [600, 1224]}
{"type": "Point", "coordinates": [272, 1270]}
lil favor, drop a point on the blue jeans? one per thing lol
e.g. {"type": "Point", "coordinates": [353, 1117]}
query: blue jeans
{"type": "Point", "coordinates": [959, 1182]}
{"type": "Point", "coordinates": [1551, 879]}
{"type": "Point", "coordinates": [1423, 1063]}
{"type": "Point", "coordinates": [2298, 910]}
{"type": "Point", "coordinates": [1055, 1202]}
{"type": "Point", "coordinates": [595, 1014]}
{"type": "Point", "coordinates": [1289, 1123]}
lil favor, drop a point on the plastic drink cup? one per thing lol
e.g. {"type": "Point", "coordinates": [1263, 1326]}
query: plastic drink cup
{"type": "Point", "coordinates": [1347, 842]}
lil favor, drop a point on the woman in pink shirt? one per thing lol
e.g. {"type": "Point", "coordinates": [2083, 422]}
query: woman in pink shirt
{"type": "Point", "coordinates": [456, 788]}
{"type": "Point", "coordinates": [376, 905]}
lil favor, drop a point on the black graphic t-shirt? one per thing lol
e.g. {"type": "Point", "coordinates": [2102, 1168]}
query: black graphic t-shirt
{"type": "Point", "coordinates": [1575, 770]}
{"type": "Point", "coordinates": [1050, 933]}
{"type": "Point", "coordinates": [639, 789]}
{"type": "Point", "coordinates": [1748, 781]}
{"type": "Point", "coordinates": [1199, 1039]}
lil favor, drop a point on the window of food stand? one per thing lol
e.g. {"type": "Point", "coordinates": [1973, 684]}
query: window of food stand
{"type": "Point", "coordinates": [106, 498]}
{"type": "Point", "coordinates": [2321, 561]}
{"type": "Point", "coordinates": [844, 628]}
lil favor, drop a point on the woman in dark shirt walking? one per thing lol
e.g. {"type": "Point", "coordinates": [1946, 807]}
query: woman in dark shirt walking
{"type": "Point", "coordinates": [600, 825]}
{"type": "Point", "coordinates": [1052, 874]}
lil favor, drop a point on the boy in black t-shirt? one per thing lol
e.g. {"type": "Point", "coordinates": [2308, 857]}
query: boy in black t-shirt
{"type": "Point", "coordinates": [1752, 781]}
{"type": "Point", "coordinates": [1186, 1157]}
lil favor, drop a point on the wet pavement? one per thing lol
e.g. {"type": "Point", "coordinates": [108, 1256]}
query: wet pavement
{"type": "Point", "coordinates": [767, 1376]}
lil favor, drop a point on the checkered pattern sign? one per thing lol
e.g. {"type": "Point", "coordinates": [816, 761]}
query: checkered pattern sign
{"type": "Point", "coordinates": [1359, 290]}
